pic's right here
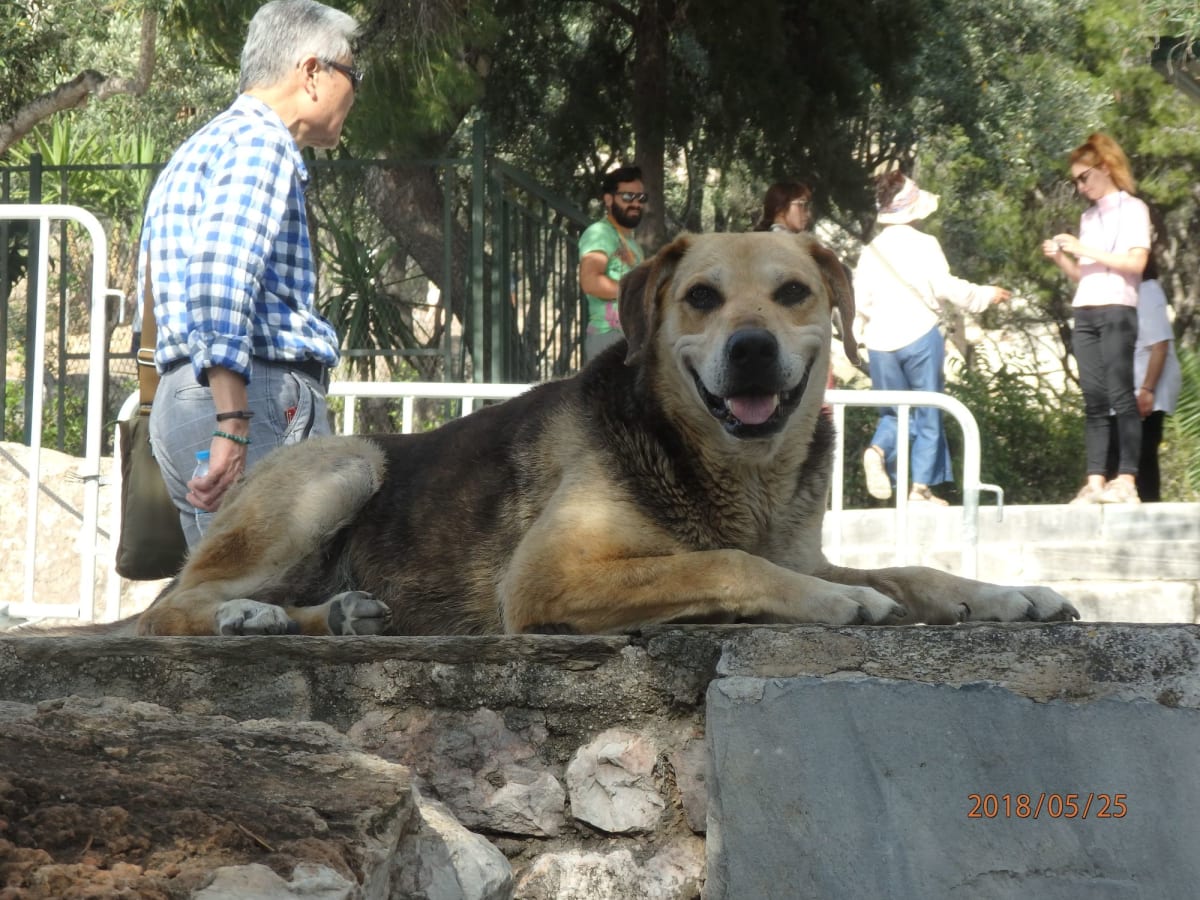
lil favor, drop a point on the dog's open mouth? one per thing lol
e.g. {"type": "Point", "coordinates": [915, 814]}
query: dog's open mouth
{"type": "Point", "coordinates": [753, 412]}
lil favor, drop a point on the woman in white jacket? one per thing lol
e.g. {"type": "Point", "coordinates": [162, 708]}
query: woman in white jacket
{"type": "Point", "coordinates": [901, 281]}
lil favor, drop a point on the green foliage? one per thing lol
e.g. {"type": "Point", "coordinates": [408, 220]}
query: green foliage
{"type": "Point", "coordinates": [34, 49]}
{"type": "Point", "coordinates": [1183, 429]}
{"type": "Point", "coordinates": [74, 418]}
{"type": "Point", "coordinates": [1031, 436]}
{"type": "Point", "coordinates": [774, 96]}
{"type": "Point", "coordinates": [362, 307]}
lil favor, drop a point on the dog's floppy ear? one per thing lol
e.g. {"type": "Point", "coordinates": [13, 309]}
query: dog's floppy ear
{"type": "Point", "coordinates": [840, 287]}
{"type": "Point", "coordinates": [637, 303]}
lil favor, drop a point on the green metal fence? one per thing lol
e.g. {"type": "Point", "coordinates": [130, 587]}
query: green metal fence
{"type": "Point", "coordinates": [500, 302]}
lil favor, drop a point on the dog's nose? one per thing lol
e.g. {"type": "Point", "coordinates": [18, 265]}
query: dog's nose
{"type": "Point", "coordinates": [751, 347]}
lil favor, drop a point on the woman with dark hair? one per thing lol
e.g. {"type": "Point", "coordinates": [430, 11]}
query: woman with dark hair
{"type": "Point", "coordinates": [786, 207]}
{"type": "Point", "coordinates": [1106, 260]}
{"type": "Point", "coordinates": [900, 283]}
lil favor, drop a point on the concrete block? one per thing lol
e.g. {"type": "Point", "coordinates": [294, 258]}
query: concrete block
{"type": "Point", "coordinates": [853, 786]}
{"type": "Point", "coordinates": [1154, 602]}
{"type": "Point", "coordinates": [1128, 561]}
{"type": "Point", "coordinates": [1152, 521]}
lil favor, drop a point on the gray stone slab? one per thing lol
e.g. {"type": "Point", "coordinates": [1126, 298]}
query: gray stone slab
{"type": "Point", "coordinates": [859, 787]}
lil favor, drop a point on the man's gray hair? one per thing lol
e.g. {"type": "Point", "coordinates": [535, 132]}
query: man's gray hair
{"type": "Point", "coordinates": [283, 32]}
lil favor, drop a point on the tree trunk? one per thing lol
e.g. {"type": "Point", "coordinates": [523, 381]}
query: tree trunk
{"type": "Point", "coordinates": [650, 64]}
{"type": "Point", "coordinates": [79, 89]}
{"type": "Point", "coordinates": [409, 202]}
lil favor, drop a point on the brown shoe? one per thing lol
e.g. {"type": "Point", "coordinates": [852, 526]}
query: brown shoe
{"type": "Point", "coordinates": [1087, 494]}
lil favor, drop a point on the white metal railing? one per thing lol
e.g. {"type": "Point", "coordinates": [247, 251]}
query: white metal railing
{"type": "Point", "coordinates": [43, 214]}
{"type": "Point", "coordinates": [972, 486]}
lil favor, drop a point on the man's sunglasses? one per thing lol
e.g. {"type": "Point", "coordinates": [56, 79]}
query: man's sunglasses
{"type": "Point", "coordinates": [355, 75]}
{"type": "Point", "coordinates": [630, 196]}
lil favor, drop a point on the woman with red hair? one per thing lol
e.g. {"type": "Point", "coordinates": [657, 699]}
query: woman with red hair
{"type": "Point", "coordinates": [1106, 261]}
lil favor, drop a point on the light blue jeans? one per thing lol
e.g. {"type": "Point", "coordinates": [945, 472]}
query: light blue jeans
{"type": "Point", "coordinates": [916, 367]}
{"type": "Point", "coordinates": [288, 406]}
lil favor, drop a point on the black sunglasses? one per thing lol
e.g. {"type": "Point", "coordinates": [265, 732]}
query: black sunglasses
{"type": "Point", "coordinates": [630, 196]}
{"type": "Point", "coordinates": [355, 75]}
{"type": "Point", "coordinates": [1081, 179]}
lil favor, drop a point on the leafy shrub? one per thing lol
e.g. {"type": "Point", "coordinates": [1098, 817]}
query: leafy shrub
{"type": "Point", "coordinates": [1031, 435]}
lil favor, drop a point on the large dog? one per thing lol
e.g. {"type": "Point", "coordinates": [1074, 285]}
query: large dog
{"type": "Point", "coordinates": [683, 477]}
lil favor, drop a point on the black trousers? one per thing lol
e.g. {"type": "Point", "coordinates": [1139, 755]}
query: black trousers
{"type": "Point", "coordinates": [1103, 343]}
{"type": "Point", "coordinates": [1149, 486]}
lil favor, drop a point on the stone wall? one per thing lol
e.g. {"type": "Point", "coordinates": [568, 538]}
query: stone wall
{"type": "Point", "coordinates": [729, 762]}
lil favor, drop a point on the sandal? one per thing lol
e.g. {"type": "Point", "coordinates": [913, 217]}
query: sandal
{"type": "Point", "coordinates": [922, 494]}
{"type": "Point", "coordinates": [1087, 494]}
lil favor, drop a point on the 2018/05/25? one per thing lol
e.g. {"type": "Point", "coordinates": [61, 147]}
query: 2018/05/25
{"type": "Point", "coordinates": [1053, 805]}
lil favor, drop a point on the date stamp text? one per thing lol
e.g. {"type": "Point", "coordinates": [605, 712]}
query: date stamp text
{"type": "Point", "coordinates": [1051, 805]}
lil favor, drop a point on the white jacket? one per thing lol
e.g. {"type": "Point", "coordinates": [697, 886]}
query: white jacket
{"type": "Point", "coordinates": [900, 282]}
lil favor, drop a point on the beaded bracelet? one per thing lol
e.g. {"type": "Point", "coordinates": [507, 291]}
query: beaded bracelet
{"type": "Point", "coordinates": [237, 439]}
{"type": "Point", "coordinates": [236, 414]}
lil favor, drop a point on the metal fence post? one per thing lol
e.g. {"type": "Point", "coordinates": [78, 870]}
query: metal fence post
{"type": "Point", "coordinates": [33, 378]}
{"type": "Point", "coordinates": [477, 333]}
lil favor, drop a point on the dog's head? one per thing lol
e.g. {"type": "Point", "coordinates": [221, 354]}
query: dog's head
{"type": "Point", "coordinates": [744, 319]}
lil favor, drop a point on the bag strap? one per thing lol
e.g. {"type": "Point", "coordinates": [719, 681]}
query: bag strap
{"type": "Point", "coordinates": [146, 370]}
{"type": "Point", "coordinates": [938, 309]}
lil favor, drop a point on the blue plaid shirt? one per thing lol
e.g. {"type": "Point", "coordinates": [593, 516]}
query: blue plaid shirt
{"type": "Point", "coordinates": [227, 236]}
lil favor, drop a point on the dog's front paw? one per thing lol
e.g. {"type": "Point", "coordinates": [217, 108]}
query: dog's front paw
{"type": "Point", "coordinates": [873, 608]}
{"type": "Point", "coordinates": [252, 617]}
{"type": "Point", "coordinates": [1031, 603]}
{"type": "Point", "coordinates": [356, 613]}
{"type": "Point", "coordinates": [1049, 605]}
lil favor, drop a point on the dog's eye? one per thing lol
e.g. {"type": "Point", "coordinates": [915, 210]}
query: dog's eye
{"type": "Point", "coordinates": [703, 297]}
{"type": "Point", "coordinates": [792, 292]}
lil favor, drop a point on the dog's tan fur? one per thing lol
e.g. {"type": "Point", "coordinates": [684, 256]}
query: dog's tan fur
{"type": "Point", "coordinates": [630, 494]}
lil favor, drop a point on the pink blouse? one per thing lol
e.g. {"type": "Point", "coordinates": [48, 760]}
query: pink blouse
{"type": "Point", "coordinates": [1116, 223]}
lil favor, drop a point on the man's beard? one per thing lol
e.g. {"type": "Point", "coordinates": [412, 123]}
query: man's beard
{"type": "Point", "coordinates": [626, 218]}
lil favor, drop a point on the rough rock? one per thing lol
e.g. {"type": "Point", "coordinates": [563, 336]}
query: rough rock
{"type": "Point", "coordinates": [488, 774]}
{"type": "Point", "coordinates": [611, 782]}
{"type": "Point", "coordinates": [675, 872]}
{"type": "Point", "coordinates": [134, 800]}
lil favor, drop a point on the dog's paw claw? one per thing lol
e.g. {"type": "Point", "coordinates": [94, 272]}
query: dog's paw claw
{"type": "Point", "coordinates": [235, 617]}
{"type": "Point", "coordinates": [357, 613]}
{"type": "Point", "coordinates": [874, 608]}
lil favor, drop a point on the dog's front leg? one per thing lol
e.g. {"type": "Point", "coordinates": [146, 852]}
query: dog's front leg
{"type": "Point", "coordinates": [594, 596]}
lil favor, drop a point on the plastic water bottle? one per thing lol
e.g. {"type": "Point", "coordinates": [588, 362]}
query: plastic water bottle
{"type": "Point", "coordinates": [202, 516]}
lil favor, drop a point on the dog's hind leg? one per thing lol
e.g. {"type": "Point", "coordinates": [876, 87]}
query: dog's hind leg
{"type": "Point", "coordinates": [293, 503]}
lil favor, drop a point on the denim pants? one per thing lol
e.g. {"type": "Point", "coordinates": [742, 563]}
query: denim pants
{"type": "Point", "coordinates": [1103, 342]}
{"type": "Point", "coordinates": [916, 367]}
{"type": "Point", "coordinates": [288, 406]}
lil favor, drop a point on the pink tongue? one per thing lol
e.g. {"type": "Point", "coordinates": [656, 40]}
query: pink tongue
{"type": "Point", "coordinates": [752, 410]}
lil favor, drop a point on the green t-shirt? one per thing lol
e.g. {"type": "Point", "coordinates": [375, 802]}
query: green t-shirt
{"type": "Point", "coordinates": [623, 255]}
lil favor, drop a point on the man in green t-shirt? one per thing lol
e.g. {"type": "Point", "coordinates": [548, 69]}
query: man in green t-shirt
{"type": "Point", "coordinates": [607, 250]}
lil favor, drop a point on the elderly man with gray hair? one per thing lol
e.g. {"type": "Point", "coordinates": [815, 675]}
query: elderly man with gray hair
{"type": "Point", "coordinates": [242, 352]}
